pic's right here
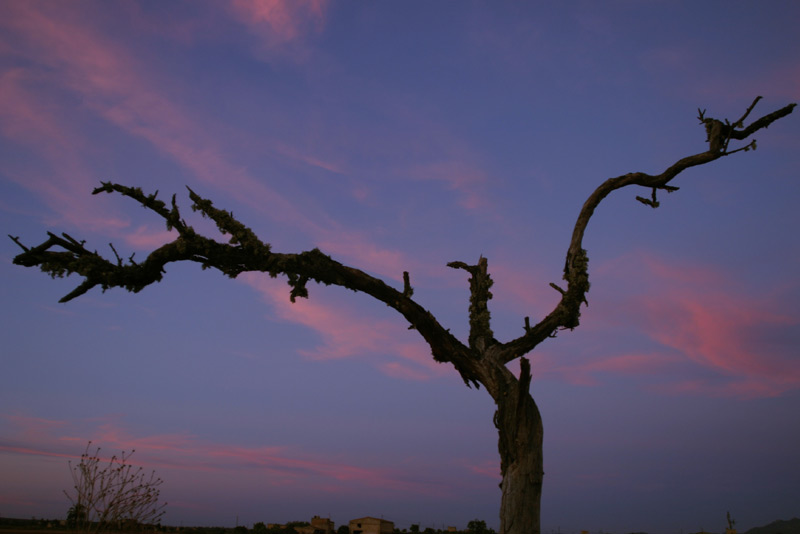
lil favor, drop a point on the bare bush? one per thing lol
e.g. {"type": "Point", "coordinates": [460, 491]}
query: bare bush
{"type": "Point", "coordinates": [113, 494]}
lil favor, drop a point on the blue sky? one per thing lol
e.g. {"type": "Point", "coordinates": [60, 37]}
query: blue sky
{"type": "Point", "coordinates": [399, 136]}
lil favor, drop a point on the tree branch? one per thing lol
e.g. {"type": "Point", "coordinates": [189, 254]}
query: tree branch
{"type": "Point", "coordinates": [566, 313]}
{"type": "Point", "coordinates": [480, 362]}
{"type": "Point", "coordinates": [244, 253]}
{"type": "Point", "coordinates": [480, 330]}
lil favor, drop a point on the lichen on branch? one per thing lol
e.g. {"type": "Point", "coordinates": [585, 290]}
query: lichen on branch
{"type": "Point", "coordinates": [566, 313]}
{"type": "Point", "coordinates": [63, 255]}
{"type": "Point", "coordinates": [480, 329]}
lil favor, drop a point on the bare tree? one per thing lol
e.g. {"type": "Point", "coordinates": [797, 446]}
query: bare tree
{"type": "Point", "coordinates": [113, 495]}
{"type": "Point", "coordinates": [481, 361]}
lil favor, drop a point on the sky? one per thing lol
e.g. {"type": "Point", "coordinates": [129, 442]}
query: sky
{"type": "Point", "coordinates": [399, 136]}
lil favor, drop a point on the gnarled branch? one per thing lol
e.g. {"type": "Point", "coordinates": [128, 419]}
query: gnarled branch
{"type": "Point", "coordinates": [480, 329]}
{"type": "Point", "coordinates": [245, 252]}
{"type": "Point", "coordinates": [566, 314]}
{"type": "Point", "coordinates": [63, 255]}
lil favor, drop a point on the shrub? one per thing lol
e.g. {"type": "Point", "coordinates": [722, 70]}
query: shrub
{"type": "Point", "coordinates": [115, 495]}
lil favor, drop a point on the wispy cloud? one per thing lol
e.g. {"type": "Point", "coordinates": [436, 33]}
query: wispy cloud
{"type": "Point", "coordinates": [734, 336]}
{"type": "Point", "coordinates": [468, 182]}
{"type": "Point", "coordinates": [282, 26]}
{"type": "Point", "coordinates": [524, 289]}
{"type": "Point", "coordinates": [593, 371]}
{"type": "Point", "coordinates": [27, 120]}
{"type": "Point", "coordinates": [489, 468]}
{"type": "Point", "coordinates": [345, 333]}
{"type": "Point", "coordinates": [145, 238]}
{"type": "Point", "coordinates": [185, 452]}
{"type": "Point", "coordinates": [111, 82]}
{"type": "Point", "coordinates": [34, 428]}
{"type": "Point", "coordinates": [356, 248]}
{"type": "Point", "coordinates": [711, 340]}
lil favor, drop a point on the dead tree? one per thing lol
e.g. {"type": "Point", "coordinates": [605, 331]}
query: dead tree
{"type": "Point", "coordinates": [482, 360]}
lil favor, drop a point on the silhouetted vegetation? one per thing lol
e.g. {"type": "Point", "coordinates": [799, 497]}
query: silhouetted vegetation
{"type": "Point", "coordinates": [790, 526]}
{"type": "Point", "coordinates": [476, 526]}
{"type": "Point", "coordinates": [112, 495]}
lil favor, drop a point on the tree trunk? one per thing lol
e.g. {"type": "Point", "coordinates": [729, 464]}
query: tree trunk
{"type": "Point", "coordinates": [519, 425]}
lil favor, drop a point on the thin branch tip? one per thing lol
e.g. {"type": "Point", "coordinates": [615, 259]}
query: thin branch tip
{"type": "Point", "coordinates": [16, 240]}
{"type": "Point", "coordinates": [555, 286]}
{"type": "Point", "coordinates": [408, 291]}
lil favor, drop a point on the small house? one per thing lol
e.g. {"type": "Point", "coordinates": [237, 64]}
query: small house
{"type": "Point", "coordinates": [371, 525]}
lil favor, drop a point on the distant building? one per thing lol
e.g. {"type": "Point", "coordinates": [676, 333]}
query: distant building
{"type": "Point", "coordinates": [319, 525]}
{"type": "Point", "coordinates": [322, 525]}
{"type": "Point", "coordinates": [371, 525]}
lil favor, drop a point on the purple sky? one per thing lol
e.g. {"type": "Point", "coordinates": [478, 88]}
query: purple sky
{"type": "Point", "coordinates": [400, 136]}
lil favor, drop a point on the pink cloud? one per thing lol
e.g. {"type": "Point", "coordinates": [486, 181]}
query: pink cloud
{"type": "Point", "coordinates": [525, 289]}
{"type": "Point", "coordinates": [282, 26]}
{"type": "Point", "coordinates": [187, 452]}
{"type": "Point", "coordinates": [278, 464]}
{"type": "Point", "coordinates": [21, 113]}
{"type": "Point", "coordinates": [400, 370]}
{"type": "Point", "coordinates": [111, 82]}
{"type": "Point", "coordinates": [26, 119]}
{"type": "Point", "coordinates": [632, 364]}
{"type": "Point", "coordinates": [144, 238]}
{"type": "Point", "coordinates": [467, 181]}
{"type": "Point", "coordinates": [114, 85]}
{"type": "Point", "coordinates": [489, 468]}
{"type": "Point", "coordinates": [311, 160]}
{"type": "Point", "coordinates": [355, 248]}
{"type": "Point", "coordinates": [30, 118]}
{"type": "Point", "coordinates": [34, 428]}
{"type": "Point", "coordinates": [36, 452]}
{"type": "Point", "coordinates": [345, 333]}
{"type": "Point", "coordinates": [111, 435]}
{"type": "Point", "coordinates": [589, 372]}
{"type": "Point", "coordinates": [723, 333]}
{"type": "Point", "coordinates": [702, 325]}
{"type": "Point", "coordinates": [185, 27]}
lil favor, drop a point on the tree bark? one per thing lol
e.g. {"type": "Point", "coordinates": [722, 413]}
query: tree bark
{"type": "Point", "coordinates": [519, 425]}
